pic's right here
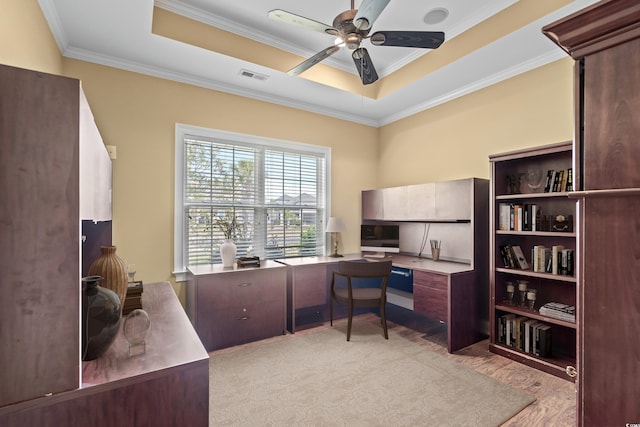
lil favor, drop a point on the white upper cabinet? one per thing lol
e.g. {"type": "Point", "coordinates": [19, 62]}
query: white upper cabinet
{"type": "Point", "coordinates": [95, 168]}
{"type": "Point", "coordinates": [453, 200]}
{"type": "Point", "coordinates": [440, 201]}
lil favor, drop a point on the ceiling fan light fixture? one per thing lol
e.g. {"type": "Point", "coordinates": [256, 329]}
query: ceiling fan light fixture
{"type": "Point", "coordinates": [352, 40]}
{"type": "Point", "coordinates": [436, 16]}
{"type": "Point", "coordinates": [362, 24]}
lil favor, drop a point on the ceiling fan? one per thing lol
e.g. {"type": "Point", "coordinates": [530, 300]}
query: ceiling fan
{"type": "Point", "coordinates": [351, 27]}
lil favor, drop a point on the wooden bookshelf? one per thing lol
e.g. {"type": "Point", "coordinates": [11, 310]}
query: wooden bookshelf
{"type": "Point", "coordinates": [510, 186]}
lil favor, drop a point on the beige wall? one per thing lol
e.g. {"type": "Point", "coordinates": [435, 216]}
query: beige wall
{"type": "Point", "coordinates": [25, 38]}
{"type": "Point", "coordinates": [138, 114]}
{"type": "Point", "coordinates": [455, 139]}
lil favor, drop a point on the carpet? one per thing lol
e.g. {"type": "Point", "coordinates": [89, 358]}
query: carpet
{"type": "Point", "coordinates": [319, 379]}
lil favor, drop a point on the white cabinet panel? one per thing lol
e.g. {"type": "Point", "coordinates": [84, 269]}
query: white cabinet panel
{"type": "Point", "coordinates": [453, 199]}
{"type": "Point", "coordinates": [95, 168]}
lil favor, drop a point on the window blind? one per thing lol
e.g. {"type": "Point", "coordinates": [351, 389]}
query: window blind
{"type": "Point", "coordinates": [276, 196]}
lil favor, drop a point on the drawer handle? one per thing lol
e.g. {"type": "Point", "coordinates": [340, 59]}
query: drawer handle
{"type": "Point", "coordinates": [571, 371]}
{"type": "Point", "coordinates": [244, 318]}
{"type": "Point", "coordinates": [244, 285]}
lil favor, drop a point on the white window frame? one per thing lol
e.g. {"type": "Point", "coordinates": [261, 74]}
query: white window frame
{"type": "Point", "coordinates": [182, 130]}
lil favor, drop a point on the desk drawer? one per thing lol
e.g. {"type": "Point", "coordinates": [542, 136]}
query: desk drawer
{"type": "Point", "coordinates": [430, 295]}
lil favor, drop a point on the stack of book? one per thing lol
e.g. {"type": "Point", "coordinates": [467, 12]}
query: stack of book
{"type": "Point", "coordinates": [133, 299]}
{"type": "Point", "coordinates": [525, 334]}
{"type": "Point", "coordinates": [559, 311]}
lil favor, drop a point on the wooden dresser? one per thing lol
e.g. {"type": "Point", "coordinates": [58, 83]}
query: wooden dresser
{"type": "Point", "coordinates": [236, 305]}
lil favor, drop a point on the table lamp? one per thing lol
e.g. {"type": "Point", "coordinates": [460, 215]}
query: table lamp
{"type": "Point", "coordinates": [335, 226]}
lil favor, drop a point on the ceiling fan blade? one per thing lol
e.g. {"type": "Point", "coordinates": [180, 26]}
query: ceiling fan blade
{"type": "Point", "coordinates": [368, 13]}
{"type": "Point", "coordinates": [301, 21]}
{"type": "Point", "coordinates": [364, 65]}
{"type": "Point", "coordinates": [320, 56]}
{"type": "Point", "coordinates": [423, 39]}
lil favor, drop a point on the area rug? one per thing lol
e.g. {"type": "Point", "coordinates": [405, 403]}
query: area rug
{"type": "Point", "coordinates": [320, 379]}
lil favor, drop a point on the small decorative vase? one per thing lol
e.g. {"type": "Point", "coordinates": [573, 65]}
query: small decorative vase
{"type": "Point", "coordinates": [113, 271]}
{"type": "Point", "coordinates": [228, 253]}
{"type": "Point", "coordinates": [101, 313]}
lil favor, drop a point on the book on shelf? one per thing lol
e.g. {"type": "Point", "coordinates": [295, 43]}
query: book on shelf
{"type": "Point", "coordinates": [569, 179]}
{"type": "Point", "coordinates": [525, 334]}
{"type": "Point", "coordinates": [556, 258]}
{"type": "Point", "coordinates": [559, 311]}
{"type": "Point", "coordinates": [549, 181]}
{"type": "Point", "coordinates": [566, 262]}
{"type": "Point", "coordinates": [504, 217]}
{"type": "Point", "coordinates": [521, 261]}
{"type": "Point", "coordinates": [559, 181]}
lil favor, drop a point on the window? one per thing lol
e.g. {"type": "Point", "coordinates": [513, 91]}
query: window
{"type": "Point", "coordinates": [275, 190]}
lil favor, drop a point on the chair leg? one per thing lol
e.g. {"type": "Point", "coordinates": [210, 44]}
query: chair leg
{"type": "Point", "coordinates": [349, 322]}
{"type": "Point", "coordinates": [331, 310]}
{"type": "Point", "coordinates": [383, 318]}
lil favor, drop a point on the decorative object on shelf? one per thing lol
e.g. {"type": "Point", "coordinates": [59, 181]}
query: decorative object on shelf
{"type": "Point", "coordinates": [136, 327]}
{"type": "Point", "coordinates": [533, 178]}
{"type": "Point", "coordinates": [510, 292]}
{"type": "Point", "coordinates": [435, 249]}
{"type": "Point", "coordinates": [113, 271]}
{"type": "Point", "coordinates": [100, 317]}
{"type": "Point", "coordinates": [228, 224]}
{"type": "Point", "coordinates": [522, 288]}
{"type": "Point", "coordinates": [133, 300]}
{"type": "Point", "coordinates": [562, 223]}
{"type": "Point", "coordinates": [131, 272]}
{"type": "Point", "coordinates": [335, 226]}
{"type": "Point", "coordinates": [531, 298]}
{"type": "Point", "coordinates": [513, 184]}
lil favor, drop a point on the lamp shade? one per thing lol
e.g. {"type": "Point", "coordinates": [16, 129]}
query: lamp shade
{"type": "Point", "coordinates": [335, 225]}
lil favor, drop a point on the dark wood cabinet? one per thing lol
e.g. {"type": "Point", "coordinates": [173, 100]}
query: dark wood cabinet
{"type": "Point", "coordinates": [40, 234]}
{"type": "Point", "coordinates": [234, 306]}
{"type": "Point", "coordinates": [431, 295]}
{"type": "Point", "coordinates": [604, 39]}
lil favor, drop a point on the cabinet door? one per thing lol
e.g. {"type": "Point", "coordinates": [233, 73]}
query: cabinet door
{"type": "Point", "coordinates": [421, 202]}
{"type": "Point", "coordinates": [95, 169]}
{"type": "Point", "coordinates": [430, 295]}
{"type": "Point", "coordinates": [310, 283]}
{"type": "Point", "coordinates": [453, 200]}
{"type": "Point", "coordinates": [372, 205]}
{"type": "Point", "coordinates": [40, 235]}
{"type": "Point", "coordinates": [394, 203]}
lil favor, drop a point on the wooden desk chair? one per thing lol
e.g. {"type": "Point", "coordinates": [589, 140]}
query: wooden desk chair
{"type": "Point", "coordinates": [356, 297]}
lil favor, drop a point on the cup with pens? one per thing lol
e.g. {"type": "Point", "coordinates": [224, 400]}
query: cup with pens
{"type": "Point", "coordinates": [435, 249]}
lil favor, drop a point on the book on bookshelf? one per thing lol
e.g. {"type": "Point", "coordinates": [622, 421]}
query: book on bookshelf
{"type": "Point", "coordinates": [569, 179]}
{"type": "Point", "coordinates": [520, 259]}
{"type": "Point", "coordinates": [559, 311]}
{"type": "Point", "coordinates": [549, 181]}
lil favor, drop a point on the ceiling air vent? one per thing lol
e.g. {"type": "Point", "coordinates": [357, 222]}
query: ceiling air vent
{"type": "Point", "coordinates": [252, 75]}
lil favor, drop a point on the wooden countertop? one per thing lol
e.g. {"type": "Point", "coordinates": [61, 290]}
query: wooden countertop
{"type": "Point", "coordinates": [171, 342]}
{"type": "Point", "coordinates": [204, 269]}
{"type": "Point", "coordinates": [399, 260]}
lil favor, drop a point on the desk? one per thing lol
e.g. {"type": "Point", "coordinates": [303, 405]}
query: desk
{"type": "Point", "coordinates": [446, 291]}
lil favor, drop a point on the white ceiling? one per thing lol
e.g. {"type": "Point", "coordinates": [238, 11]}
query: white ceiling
{"type": "Point", "coordinates": [117, 33]}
